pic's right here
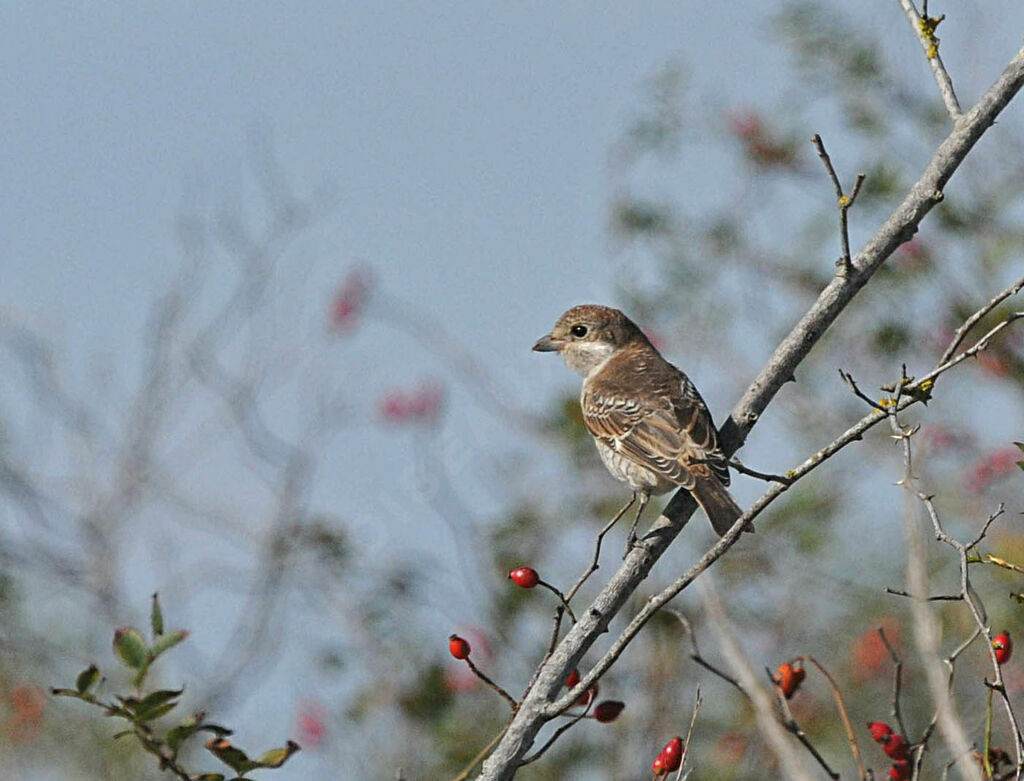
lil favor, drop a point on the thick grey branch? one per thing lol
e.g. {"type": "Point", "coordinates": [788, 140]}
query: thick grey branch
{"type": "Point", "coordinates": [535, 709]}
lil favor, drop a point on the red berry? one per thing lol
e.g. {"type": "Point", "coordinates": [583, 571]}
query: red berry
{"type": "Point", "coordinates": [879, 730]}
{"type": "Point", "coordinates": [1003, 646]}
{"type": "Point", "coordinates": [901, 771]}
{"type": "Point", "coordinates": [588, 696]}
{"type": "Point", "coordinates": [524, 577]}
{"type": "Point", "coordinates": [458, 646]}
{"type": "Point", "coordinates": [658, 765]}
{"type": "Point", "coordinates": [608, 710]}
{"type": "Point", "coordinates": [788, 676]}
{"type": "Point", "coordinates": [672, 754]}
{"type": "Point", "coordinates": [573, 679]}
{"type": "Point", "coordinates": [894, 746]}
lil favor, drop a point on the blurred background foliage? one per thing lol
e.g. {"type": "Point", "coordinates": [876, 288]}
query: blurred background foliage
{"type": "Point", "coordinates": [717, 278]}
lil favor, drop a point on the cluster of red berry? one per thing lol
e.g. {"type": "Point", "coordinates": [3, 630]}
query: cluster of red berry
{"type": "Point", "coordinates": [895, 747]}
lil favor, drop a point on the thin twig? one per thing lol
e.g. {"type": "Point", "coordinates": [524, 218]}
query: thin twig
{"type": "Point", "coordinates": [961, 333]}
{"type": "Point", "coordinates": [464, 774]}
{"type": "Point", "coordinates": [924, 30]}
{"type": "Point", "coordinates": [689, 733]}
{"type": "Point", "coordinates": [843, 715]}
{"type": "Point", "coordinates": [848, 379]}
{"type": "Point", "coordinates": [768, 477]}
{"type": "Point", "coordinates": [561, 598]}
{"type": "Point", "coordinates": [594, 565]}
{"type": "Point", "coordinates": [508, 697]}
{"type": "Point", "coordinates": [696, 656]}
{"type": "Point", "coordinates": [793, 727]}
{"type": "Point", "coordinates": [897, 681]}
{"type": "Point", "coordinates": [558, 733]}
{"type": "Point", "coordinates": [936, 598]}
{"type": "Point", "coordinates": [845, 202]}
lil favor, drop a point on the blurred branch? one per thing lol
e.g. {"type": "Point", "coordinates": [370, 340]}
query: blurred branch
{"type": "Point", "coordinates": [924, 29]}
{"type": "Point", "coordinates": [790, 763]}
{"type": "Point", "coordinates": [540, 705]}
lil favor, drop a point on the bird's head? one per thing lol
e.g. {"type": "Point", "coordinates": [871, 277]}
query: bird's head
{"type": "Point", "coordinates": [587, 336]}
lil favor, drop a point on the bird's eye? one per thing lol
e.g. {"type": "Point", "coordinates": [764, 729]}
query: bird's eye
{"type": "Point", "coordinates": [578, 330]}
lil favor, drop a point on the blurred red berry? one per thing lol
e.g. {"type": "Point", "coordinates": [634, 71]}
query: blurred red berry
{"type": "Point", "coordinates": [524, 577]}
{"type": "Point", "coordinates": [991, 468]}
{"type": "Point", "coordinates": [608, 710]}
{"type": "Point", "coordinates": [868, 653]}
{"type": "Point", "coordinates": [745, 124]}
{"type": "Point", "coordinates": [658, 765]}
{"type": "Point", "coordinates": [672, 754]}
{"type": "Point", "coordinates": [588, 696]}
{"type": "Point", "coordinates": [312, 723]}
{"type": "Point", "coordinates": [573, 679]}
{"type": "Point", "coordinates": [349, 300]}
{"type": "Point", "coordinates": [788, 676]}
{"type": "Point", "coordinates": [894, 746]}
{"type": "Point", "coordinates": [1003, 646]}
{"type": "Point", "coordinates": [901, 770]}
{"type": "Point", "coordinates": [423, 403]}
{"type": "Point", "coordinates": [458, 647]}
{"type": "Point", "coordinates": [879, 730]}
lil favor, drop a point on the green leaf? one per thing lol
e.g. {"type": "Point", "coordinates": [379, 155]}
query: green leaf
{"type": "Point", "coordinates": [156, 617]}
{"type": "Point", "coordinates": [278, 756]}
{"type": "Point", "coordinates": [123, 733]}
{"type": "Point", "coordinates": [231, 756]}
{"type": "Point", "coordinates": [155, 712]}
{"type": "Point", "coordinates": [87, 678]}
{"type": "Point", "coordinates": [159, 698]}
{"type": "Point", "coordinates": [168, 641]}
{"type": "Point", "coordinates": [130, 648]}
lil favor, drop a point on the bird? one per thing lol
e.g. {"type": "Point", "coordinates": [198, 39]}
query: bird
{"type": "Point", "coordinates": [652, 429]}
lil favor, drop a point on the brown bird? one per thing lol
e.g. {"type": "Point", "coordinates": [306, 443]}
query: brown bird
{"type": "Point", "coordinates": [652, 428]}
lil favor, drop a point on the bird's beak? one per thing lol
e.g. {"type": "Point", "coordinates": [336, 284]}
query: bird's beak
{"type": "Point", "coordinates": [548, 344]}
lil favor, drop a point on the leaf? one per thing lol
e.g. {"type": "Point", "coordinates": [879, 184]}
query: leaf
{"type": "Point", "coordinates": [168, 641]}
{"type": "Point", "coordinates": [278, 756]}
{"type": "Point", "coordinates": [231, 756]}
{"type": "Point", "coordinates": [123, 733]}
{"type": "Point", "coordinates": [155, 712]}
{"type": "Point", "coordinates": [87, 679]}
{"type": "Point", "coordinates": [156, 617]}
{"type": "Point", "coordinates": [159, 698]}
{"type": "Point", "coordinates": [130, 648]}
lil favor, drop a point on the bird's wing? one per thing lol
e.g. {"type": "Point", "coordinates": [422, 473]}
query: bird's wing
{"type": "Point", "coordinates": [668, 431]}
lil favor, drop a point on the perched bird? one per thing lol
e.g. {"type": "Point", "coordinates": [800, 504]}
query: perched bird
{"type": "Point", "coordinates": [652, 428]}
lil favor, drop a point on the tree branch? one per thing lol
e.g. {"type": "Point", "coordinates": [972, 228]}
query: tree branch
{"type": "Point", "coordinates": [537, 707]}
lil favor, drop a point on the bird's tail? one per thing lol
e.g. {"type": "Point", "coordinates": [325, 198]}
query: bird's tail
{"type": "Point", "coordinates": [718, 504]}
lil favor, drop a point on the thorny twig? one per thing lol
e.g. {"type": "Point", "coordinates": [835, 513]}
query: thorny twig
{"type": "Point", "coordinates": [897, 681]}
{"type": "Point", "coordinates": [953, 730]}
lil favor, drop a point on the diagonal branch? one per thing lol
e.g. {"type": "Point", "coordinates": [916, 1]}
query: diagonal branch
{"type": "Point", "coordinates": [536, 707]}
